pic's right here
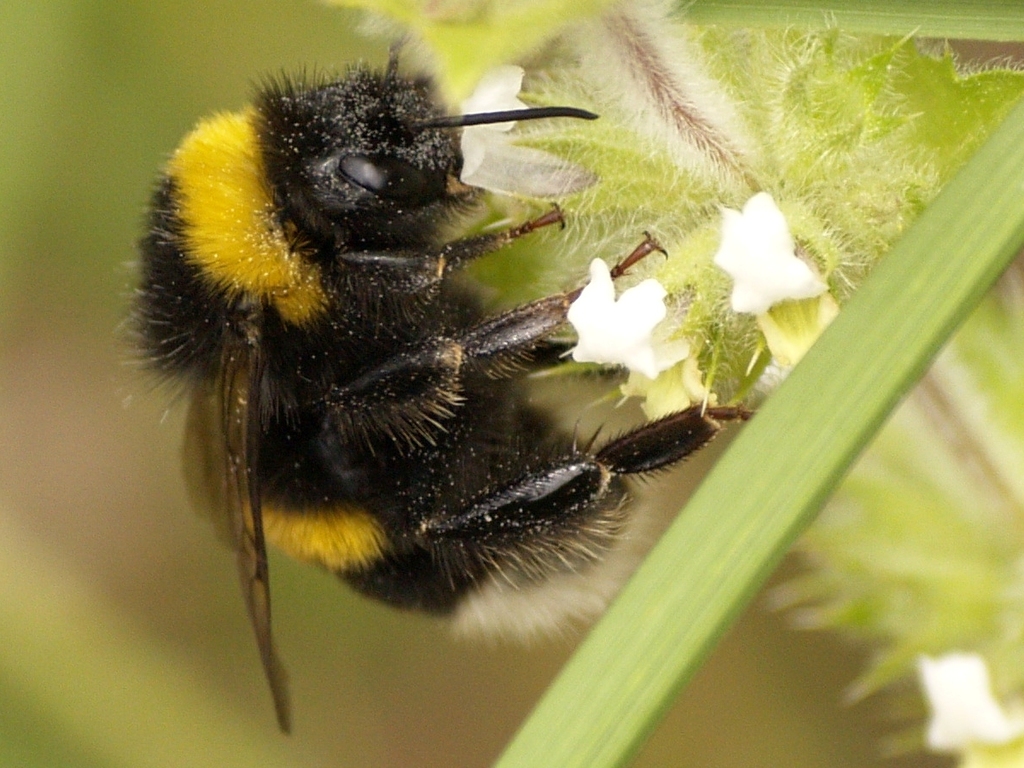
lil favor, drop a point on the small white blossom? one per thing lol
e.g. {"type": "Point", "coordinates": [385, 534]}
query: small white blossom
{"type": "Point", "coordinates": [491, 161]}
{"type": "Point", "coordinates": [619, 332]}
{"type": "Point", "coordinates": [964, 711]}
{"type": "Point", "coordinates": [758, 252]}
{"type": "Point", "coordinates": [497, 91]}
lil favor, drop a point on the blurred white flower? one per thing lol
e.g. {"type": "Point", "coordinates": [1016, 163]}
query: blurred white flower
{"type": "Point", "coordinates": [619, 332]}
{"type": "Point", "coordinates": [964, 711]}
{"type": "Point", "coordinates": [758, 252]}
{"type": "Point", "coordinates": [497, 91]}
{"type": "Point", "coordinates": [491, 161]}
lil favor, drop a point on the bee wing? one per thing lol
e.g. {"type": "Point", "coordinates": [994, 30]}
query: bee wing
{"type": "Point", "coordinates": [204, 458]}
{"type": "Point", "coordinates": [221, 447]}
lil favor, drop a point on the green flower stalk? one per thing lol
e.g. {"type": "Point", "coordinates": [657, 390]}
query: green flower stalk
{"type": "Point", "coordinates": [694, 121]}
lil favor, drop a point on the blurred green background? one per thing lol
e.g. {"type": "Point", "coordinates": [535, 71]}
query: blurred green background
{"type": "Point", "coordinates": [123, 639]}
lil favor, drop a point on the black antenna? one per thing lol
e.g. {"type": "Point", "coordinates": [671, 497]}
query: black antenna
{"type": "Point", "coordinates": [489, 118]}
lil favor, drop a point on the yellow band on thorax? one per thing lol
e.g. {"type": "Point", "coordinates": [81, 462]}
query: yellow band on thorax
{"type": "Point", "coordinates": [342, 539]}
{"type": "Point", "coordinates": [227, 213]}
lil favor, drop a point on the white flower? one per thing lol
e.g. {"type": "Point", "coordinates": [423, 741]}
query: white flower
{"type": "Point", "coordinates": [758, 252]}
{"type": "Point", "coordinates": [496, 92]}
{"type": "Point", "coordinates": [964, 711]}
{"type": "Point", "coordinates": [619, 332]}
{"type": "Point", "coordinates": [491, 161]}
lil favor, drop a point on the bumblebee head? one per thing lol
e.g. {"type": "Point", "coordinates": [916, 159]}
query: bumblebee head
{"type": "Point", "coordinates": [353, 159]}
{"type": "Point", "coordinates": [368, 158]}
{"type": "Point", "coordinates": [264, 198]}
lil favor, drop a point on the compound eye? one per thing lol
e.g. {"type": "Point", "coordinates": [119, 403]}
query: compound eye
{"type": "Point", "coordinates": [386, 177]}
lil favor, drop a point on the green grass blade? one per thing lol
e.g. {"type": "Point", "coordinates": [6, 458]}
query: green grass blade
{"type": "Point", "coordinates": [779, 471]}
{"type": "Point", "coordinates": [965, 19]}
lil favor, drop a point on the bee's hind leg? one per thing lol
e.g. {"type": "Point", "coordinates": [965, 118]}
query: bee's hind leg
{"type": "Point", "coordinates": [567, 512]}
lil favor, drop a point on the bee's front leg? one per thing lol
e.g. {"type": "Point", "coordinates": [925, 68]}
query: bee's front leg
{"type": "Point", "coordinates": [411, 271]}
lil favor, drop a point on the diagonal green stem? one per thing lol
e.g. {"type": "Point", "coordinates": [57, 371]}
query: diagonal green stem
{"type": "Point", "coordinates": [964, 19]}
{"type": "Point", "coordinates": [780, 470]}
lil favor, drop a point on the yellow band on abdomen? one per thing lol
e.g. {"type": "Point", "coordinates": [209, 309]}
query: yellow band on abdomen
{"type": "Point", "coordinates": [227, 213]}
{"type": "Point", "coordinates": [342, 539]}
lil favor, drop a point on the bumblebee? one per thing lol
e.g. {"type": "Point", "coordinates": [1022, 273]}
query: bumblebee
{"type": "Point", "coordinates": [350, 401]}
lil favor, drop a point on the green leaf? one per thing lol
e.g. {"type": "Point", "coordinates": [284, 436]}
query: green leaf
{"type": "Point", "coordinates": [771, 482]}
{"type": "Point", "coordinates": [967, 19]}
{"type": "Point", "coordinates": [953, 113]}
